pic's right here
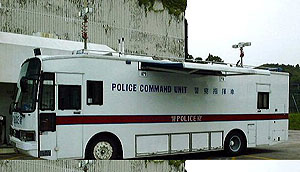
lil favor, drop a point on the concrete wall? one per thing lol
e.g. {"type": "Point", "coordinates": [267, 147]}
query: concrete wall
{"type": "Point", "coordinates": [93, 166]}
{"type": "Point", "coordinates": [153, 32]}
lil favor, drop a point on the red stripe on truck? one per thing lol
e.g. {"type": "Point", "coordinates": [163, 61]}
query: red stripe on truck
{"type": "Point", "coordinates": [120, 119]}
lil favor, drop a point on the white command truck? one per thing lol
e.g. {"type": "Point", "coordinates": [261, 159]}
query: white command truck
{"type": "Point", "coordinates": [105, 106]}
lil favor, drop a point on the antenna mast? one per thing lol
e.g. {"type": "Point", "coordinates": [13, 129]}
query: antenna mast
{"type": "Point", "coordinates": [241, 46]}
{"type": "Point", "coordinates": [84, 14]}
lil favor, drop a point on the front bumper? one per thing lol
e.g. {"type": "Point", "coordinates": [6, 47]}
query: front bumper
{"type": "Point", "coordinates": [28, 148]}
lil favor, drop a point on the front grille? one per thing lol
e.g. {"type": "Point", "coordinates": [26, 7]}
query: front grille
{"type": "Point", "coordinates": [23, 135]}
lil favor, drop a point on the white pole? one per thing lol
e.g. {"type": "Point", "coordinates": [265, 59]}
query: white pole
{"type": "Point", "coordinates": [123, 45]}
{"type": "Point", "coordinates": [120, 47]}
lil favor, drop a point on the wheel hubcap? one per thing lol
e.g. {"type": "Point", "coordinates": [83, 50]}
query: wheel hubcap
{"type": "Point", "coordinates": [103, 150]}
{"type": "Point", "coordinates": [235, 143]}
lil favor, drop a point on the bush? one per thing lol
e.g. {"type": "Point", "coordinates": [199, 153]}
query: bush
{"type": "Point", "coordinates": [294, 121]}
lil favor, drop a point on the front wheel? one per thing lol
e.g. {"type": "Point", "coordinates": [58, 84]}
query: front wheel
{"type": "Point", "coordinates": [235, 144]}
{"type": "Point", "coordinates": [103, 149]}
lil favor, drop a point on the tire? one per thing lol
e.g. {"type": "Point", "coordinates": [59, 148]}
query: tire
{"type": "Point", "coordinates": [104, 148]}
{"type": "Point", "coordinates": [235, 144]}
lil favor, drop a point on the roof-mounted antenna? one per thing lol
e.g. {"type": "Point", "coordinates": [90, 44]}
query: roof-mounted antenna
{"type": "Point", "coordinates": [241, 45]}
{"type": "Point", "coordinates": [84, 14]}
{"type": "Point", "coordinates": [120, 47]}
{"type": "Point", "coordinates": [123, 45]}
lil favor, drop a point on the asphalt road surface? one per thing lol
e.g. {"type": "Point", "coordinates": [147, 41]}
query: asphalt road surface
{"type": "Point", "coordinates": [289, 150]}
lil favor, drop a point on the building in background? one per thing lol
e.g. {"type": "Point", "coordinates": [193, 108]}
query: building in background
{"type": "Point", "coordinates": [153, 28]}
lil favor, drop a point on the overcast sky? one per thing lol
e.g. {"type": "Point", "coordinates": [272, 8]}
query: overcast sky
{"type": "Point", "coordinates": [272, 26]}
{"type": "Point", "coordinates": [242, 166]}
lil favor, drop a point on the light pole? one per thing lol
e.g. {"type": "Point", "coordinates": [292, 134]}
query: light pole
{"type": "Point", "coordinates": [241, 45]}
{"type": "Point", "coordinates": [84, 13]}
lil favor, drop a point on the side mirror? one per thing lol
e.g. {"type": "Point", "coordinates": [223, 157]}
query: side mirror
{"type": "Point", "coordinates": [11, 108]}
{"type": "Point", "coordinates": [24, 84]}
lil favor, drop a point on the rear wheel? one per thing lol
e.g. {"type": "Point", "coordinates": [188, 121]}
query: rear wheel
{"type": "Point", "coordinates": [235, 143]}
{"type": "Point", "coordinates": [104, 148]}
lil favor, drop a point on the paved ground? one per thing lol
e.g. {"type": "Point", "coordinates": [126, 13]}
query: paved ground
{"type": "Point", "coordinates": [285, 151]}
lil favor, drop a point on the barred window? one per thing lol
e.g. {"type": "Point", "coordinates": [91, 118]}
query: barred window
{"type": "Point", "coordinates": [47, 92]}
{"type": "Point", "coordinates": [263, 100]}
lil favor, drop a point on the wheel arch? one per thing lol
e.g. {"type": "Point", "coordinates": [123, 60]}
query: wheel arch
{"type": "Point", "coordinates": [104, 134]}
{"type": "Point", "coordinates": [238, 131]}
{"type": "Point", "coordinates": [242, 143]}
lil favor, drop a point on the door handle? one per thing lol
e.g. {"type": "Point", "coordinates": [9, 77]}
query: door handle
{"type": "Point", "coordinates": [76, 112]}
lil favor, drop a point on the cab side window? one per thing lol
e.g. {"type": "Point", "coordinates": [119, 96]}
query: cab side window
{"type": "Point", "coordinates": [69, 97]}
{"type": "Point", "coordinates": [47, 92]}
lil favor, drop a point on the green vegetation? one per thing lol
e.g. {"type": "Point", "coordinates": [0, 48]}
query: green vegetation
{"type": "Point", "coordinates": [198, 59]}
{"type": "Point", "coordinates": [294, 121]}
{"type": "Point", "coordinates": [175, 7]}
{"type": "Point", "coordinates": [294, 71]}
{"type": "Point", "coordinates": [213, 58]}
{"type": "Point", "coordinates": [176, 163]}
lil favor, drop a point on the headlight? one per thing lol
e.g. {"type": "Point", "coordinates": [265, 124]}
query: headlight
{"type": "Point", "coordinates": [27, 136]}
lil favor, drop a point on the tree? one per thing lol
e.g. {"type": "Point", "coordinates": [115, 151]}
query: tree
{"type": "Point", "coordinates": [213, 58]}
{"type": "Point", "coordinates": [294, 72]}
{"type": "Point", "coordinates": [190, 56]}
{"type": "Point", "coordinates": [198, 59]}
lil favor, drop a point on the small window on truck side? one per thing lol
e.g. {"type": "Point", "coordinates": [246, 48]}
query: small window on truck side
{"type": "Point", "coordinates": [263, 100]}
{"type": "Point", "coordinates": [47, 89]}
{"type": "Point", "coordinates": [95, 93]}
{"type": "Point", "coordinates": [69, 97]}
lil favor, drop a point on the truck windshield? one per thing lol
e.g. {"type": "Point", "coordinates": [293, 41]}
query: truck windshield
{"type": "Point", "coordinates": [28, 78]}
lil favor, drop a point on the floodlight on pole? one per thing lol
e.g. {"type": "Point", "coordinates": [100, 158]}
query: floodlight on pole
{"type": "Point", "coordinates": [241, 46]}
{"type": "Point", "coordinates": [84, 13]}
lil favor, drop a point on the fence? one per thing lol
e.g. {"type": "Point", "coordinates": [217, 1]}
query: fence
{"type": "Point", "coordinates": [294, 98]}
{"type": "Point", "coordinates": [295, 102]}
